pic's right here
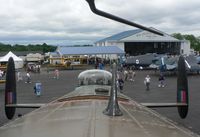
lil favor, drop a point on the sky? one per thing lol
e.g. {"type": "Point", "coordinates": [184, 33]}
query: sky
{"type": "Point", "coordinates": [70, 22]}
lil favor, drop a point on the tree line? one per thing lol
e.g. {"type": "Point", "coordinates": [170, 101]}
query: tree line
{"type": "Point", "coordinates": [38, 47]}
{"type": "Point", "coordinates": [194, 41]}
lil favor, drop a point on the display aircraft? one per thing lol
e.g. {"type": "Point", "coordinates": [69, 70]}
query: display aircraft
{"type": "Point", "coordinates": [95, 108]}
{"type": "Point", "coordinates": [143, 61]}
{"type": "Point", "coordinates": [198, 59]}
{"type": "Point", "coordinates": [192, 64]}
{"type": "Point", "coordinates": [165, 63]}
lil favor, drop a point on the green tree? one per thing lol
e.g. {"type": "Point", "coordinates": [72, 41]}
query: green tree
{"type": "Point", "coordinates": [5, 47]}
{"type": "Point", "coordinates": [178, 36]}
{"type": "Point", "coordinates": [194, 41]}
{"type": "Point", "coordinates": [38, 47]}
{"type": "Point", "coordinates": [19, 48]}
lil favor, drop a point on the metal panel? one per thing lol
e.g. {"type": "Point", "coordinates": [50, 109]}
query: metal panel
{"type": "Point", "coordinates": [121, 35]}
{"type": "Point", "coordinates": [90, 50]}
{"type": "Point", "coordinates": [85, 118]}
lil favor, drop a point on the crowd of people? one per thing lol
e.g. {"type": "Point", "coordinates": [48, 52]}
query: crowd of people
{"type": "Point", "coordinates": [26, 77]}
{"type": "Point", "coordinates": [128, 74]}
{"type": "Point", "coordinates": [124, 74]}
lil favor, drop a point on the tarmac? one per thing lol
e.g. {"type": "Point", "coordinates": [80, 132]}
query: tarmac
{"type": "Point", "coordinates": [54, 88]}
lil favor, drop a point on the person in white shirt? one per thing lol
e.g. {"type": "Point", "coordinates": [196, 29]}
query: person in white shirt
{"type": "Point", "coordinates": [28, 77]}
{"type": "Point", "coordinates": [1, 74]}
{"type": "Point", "coordinates": [120, 80]}
{"type": "Point", "coordinates": [56, 74]}
{"type": "Point", "coordinates": [125, 75]}
{"type": "Point", "coordinates": [19, 76]}
{"type": "Point", "coordinates": [147, 82]}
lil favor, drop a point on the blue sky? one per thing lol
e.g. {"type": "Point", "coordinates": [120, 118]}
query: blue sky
{"type": "Point", "coordinates": [67, 22]}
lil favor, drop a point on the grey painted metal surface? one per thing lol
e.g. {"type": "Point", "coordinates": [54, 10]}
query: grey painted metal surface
{"type": "Point", "coordinates": [85, 118]}
{"type": "Point", "coordinates": [113, 107]}
{"type": "Point", "coordinates": [142, 60]}
{"type": "Point", "coordinates": [121, 35]}
{"type": "Point", "coordinates": [81, 118]}
{"type": "Point", "coordinates": [89, 50]}
{"type": "Point", "coordinates": [24, 105]}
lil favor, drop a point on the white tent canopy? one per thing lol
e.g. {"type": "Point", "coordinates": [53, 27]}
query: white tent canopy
{"type": "Point", "coordinates": [18, 61]}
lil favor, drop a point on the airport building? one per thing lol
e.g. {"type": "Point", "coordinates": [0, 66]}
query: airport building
{"type": "Point", "coordinates": [136, 42]}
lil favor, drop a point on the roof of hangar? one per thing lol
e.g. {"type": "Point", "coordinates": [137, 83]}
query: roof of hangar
{"type": "Point", "coordinates": [64, 50]}
{"type": "Point", "coordinates": [139, 35]}
{"type": "Point", "coordinates": [121, 35]}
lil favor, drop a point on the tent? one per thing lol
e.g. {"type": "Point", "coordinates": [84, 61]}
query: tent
{"type": "Point", "coordinates": [18, 61]}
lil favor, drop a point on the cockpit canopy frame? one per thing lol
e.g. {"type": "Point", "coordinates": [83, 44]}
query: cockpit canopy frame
{"type": "Point", "coordinates": [95, 77]}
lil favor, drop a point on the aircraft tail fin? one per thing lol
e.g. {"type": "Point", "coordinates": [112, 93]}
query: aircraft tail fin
{"type": "Point", "coordinates": [182, 102]}
{"type": "Point", "coordinates": [10, 89]}
{"type": "Point", "coordinates": [182, 88]}
{"type": "Point", "coordinates": [11, 93]}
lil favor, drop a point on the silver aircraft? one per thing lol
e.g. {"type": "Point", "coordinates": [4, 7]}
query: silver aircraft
{"type": "Point", "coordinates": [95, 108]}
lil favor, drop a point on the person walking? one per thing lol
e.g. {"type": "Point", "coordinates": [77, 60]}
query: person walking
{"type": "Point", "coordinates": [101, 66]}
{"type": "Point", "coordinates": [131, 74]}
{"type": "Point", "coordinates": [161, 81]}
{"type": "Point", "coordinates": [1, 74]}
{"type": "Point", "coordinates": [147, 82]}
{"type": "Point", "coordinates": [37, 89]}
{"type": "Point", "coordinates": [56, 74]}
{"type": "Point", "coordinates": [19, 76]}
{"type": "Point", "coordinates": [28, 77]}
{"type": "Point", "coordinates": [125, 75]}
{"type": "Point", "coordinates": [120, 80]}
{"type": "Point", "coordinates": [96, 65]}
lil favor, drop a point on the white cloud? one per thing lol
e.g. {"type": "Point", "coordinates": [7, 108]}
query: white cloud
{"type": "Point", "coordinates": [66, 20]}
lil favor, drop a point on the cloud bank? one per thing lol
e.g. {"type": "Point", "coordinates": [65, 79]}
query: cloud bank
{"type": "Point", "coordinates": [71, 21]}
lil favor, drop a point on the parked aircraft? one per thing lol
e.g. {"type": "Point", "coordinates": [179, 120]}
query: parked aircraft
{"type": "Point", "coordinates": [141, 60]}
{"type": "Point", "coordinates": [198, 59]}
{"type": "Point", "coordinates": [170, 63]}
{"type": "Point", "coordinates": [160, 62]}
{"type": "Point", "coordinates": [192, 64]}
{"type": "Point", "coordinates": [165, 63]}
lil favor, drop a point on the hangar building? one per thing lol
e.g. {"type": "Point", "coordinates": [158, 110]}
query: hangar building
{"type": "Point", "coordinates": [136, 42]}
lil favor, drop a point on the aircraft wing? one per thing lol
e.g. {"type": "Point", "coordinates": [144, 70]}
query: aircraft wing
{"type": "Point", "coordinates": [76, 115]}
{"type": "Point", "coordinates": [141, 60]}
{"type": "Point", "coordinates": [171, 67]}
{"type": "Point", "coordinates": [192, 63]}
